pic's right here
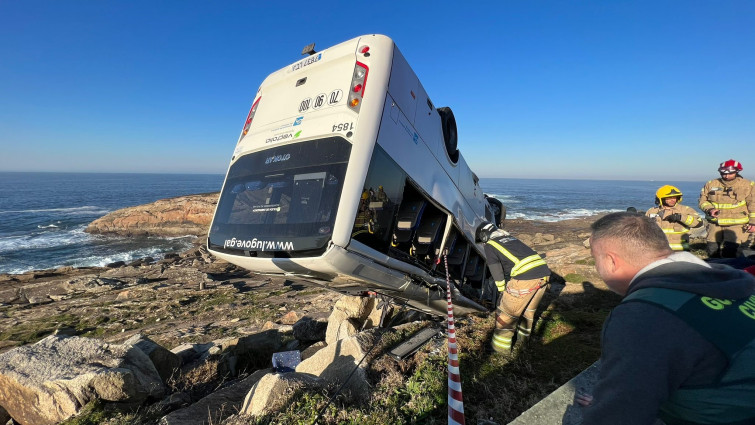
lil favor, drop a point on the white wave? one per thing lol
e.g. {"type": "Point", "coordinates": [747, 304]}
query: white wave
{"type": "Point", "coordinates": [17, 270]}
{"type": "Point", "coordinates": [506, 199]}
{"type": "Point", "coordinates": [566, 214]}
{"type": "Point", "coordinates": [101, 261]}
{"type": "Point", "coordinates": [88, 209]}
{"type": "Point", "coordinates": [49, 226]}
{"type": "Point", "coordinates": [45, 239]}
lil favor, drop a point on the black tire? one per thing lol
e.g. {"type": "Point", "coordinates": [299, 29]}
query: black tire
{"type": "Point", "coordinates": [498, 209]}
{"type": "Point", "coordinates": [450, 136]}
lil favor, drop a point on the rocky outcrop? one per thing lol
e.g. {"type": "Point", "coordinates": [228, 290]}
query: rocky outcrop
{"type": "Point", "coordinates": [62, 375]}
{"type": "Point", "coordinates": [166, 363]}
{"type": "Point", "coordinates": [184, 215]}
{"type": "Point", "coordinates": [350, 314]}
{"type": "Point", "coordinates": [275, 391]}
{"type": "Point", "coordinates": [336, 362]}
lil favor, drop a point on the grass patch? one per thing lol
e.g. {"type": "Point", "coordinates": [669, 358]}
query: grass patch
{"type": "Point", "coordinates": [35, 329]}
{"type": "Point", "coordinates": [586, 261]}
{"type": "Point", "coordinates": [99, 413]}
{"type": "Point", "coordinates": [574, 278]}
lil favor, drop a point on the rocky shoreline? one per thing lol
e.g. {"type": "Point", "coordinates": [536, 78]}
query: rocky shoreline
{"type": "Point", "coordinates": [203, 311]}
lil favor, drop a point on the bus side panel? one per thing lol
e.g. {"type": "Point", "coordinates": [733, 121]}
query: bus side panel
{"type": "Point", "coordinates": [403, 85]}
{"type": "Point", "coordinates": [427, 122]}
{"type": "Point", "coordinates": [420, 111]}
{"type": "Point", "coordinates": [400, 140]}
{"type": "Point", "coordinates": [471, 191]}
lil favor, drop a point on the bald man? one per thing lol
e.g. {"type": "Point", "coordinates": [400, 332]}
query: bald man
{"type": "Point", "coordinates": [680, 346]}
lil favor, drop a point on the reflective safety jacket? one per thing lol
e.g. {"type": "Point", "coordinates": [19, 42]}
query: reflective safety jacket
{"type": "Point", "coordinates": [729, 325]}
{"type": "Point", "coordinates": [508, 258]}
{"type": "Point", "coordinates": [677, 233]}
{"type": "Point", "coordinates": [734, 199]}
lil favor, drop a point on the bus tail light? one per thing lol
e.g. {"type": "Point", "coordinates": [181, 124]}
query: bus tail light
{"type": "Point", "coordinates": [358, 84]}
{"type": "Point", "coordinates": [250, 117]}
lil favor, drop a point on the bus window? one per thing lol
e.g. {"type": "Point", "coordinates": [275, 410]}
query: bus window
{"type": "Point", "coordinates": [383, 190]}
{"type": "Point", "coordinates": [288, 192]}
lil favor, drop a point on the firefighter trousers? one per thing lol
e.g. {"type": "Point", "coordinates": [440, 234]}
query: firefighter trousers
{"type": "Point", "coordinates": [516, 311]}
{"type": "Point", "coordinates": [723, 241]}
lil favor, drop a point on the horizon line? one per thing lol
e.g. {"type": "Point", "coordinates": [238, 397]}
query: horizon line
{"type": "Point", "coordinates": [223, 174]}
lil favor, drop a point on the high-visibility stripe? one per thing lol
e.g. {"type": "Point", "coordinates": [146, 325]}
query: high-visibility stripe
{"type": "Point", "coordinates": [679, 246]}
{"type": "Point", "coordinates": [520, 266]}
{"type": "Point", "coordinates": [675, 232]}
{"type": "Point", "coordinates": [504, 251]}
{"type": "Point", "coordinates": [689, 220]}
{"type": "Point", "coordinates": [730, 221]}
{"type": "Point", "coordinates": [527, 264]}
{"type": "Point", "coordinates": [502, 342]}
{"type": "Point", "coordinates": [729, 206]}
{"type": "Point", "coordinates": [501, 285]}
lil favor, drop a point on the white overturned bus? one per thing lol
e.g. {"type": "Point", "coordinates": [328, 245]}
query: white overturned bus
{"type": "Point", "coordinates": [346, 174]}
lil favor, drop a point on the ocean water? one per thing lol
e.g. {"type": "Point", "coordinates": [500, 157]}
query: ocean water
{"type": "Point", "coordinates": [43, 215]}
{"type": "Point", "coordinates": [555, 200]}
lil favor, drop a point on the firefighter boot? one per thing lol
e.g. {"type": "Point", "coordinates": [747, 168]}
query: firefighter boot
{"type": "Point", "coordinates": [502, 340]}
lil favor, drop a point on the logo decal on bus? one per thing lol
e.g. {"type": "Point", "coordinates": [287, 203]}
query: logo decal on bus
{"type": "Point", "coordinates": [335, 97]}
{"type": "Point", "coordinates": [309, 61]}
{"type": "Point", "coordinates": [298, 120]}
{"type": "Point", "coordinates": [282, 137]}
{"type": "Point", "coordinates": [258, 244]}
{"type": "Point", "coordinates": [277, 158]}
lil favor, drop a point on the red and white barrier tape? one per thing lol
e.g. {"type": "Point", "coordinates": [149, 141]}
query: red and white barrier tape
{"type": "Point", "coordinates": [455, 401]}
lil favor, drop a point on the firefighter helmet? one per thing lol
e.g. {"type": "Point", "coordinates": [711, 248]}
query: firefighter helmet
{"type": "Point", "coordinates": [485, 230]}
{"type": "Point", "coordinates": [667, 191]}
{"type": "Point", "coordinates": [730, 166]}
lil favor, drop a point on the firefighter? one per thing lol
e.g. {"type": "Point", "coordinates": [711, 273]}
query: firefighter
{"type": "Point", "coordinates": [674, 218]}
{"type": "Point", "coordinates": [521, 276]}
{"type": "Point", "coordinates": [729, 207]}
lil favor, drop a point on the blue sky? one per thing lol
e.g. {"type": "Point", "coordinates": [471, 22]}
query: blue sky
{"type": "Point", "coordinates": [548, 89]}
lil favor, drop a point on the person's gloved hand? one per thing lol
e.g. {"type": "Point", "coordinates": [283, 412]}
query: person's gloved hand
{"type": "Point", "coordinates": [673, 218]}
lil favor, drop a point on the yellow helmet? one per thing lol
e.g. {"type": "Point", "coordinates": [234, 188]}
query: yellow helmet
{"type": "Point", "coordinates": [667, 191]}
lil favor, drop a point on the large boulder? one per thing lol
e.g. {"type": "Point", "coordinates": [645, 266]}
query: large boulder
{"type": "Point", "coordinates": [62, 375]}
{"type": "Point", "coordinates": [340, 326]}
{"type": "Point", "coordinates": [166, 362]}
{"type": "Point", "coordinates": [352, 314]}
{"type": "Point", "coordinates": [337, 361]}
{"type": "Point", "coordinates": [184, 215]}
{"type": "Point", "coordinates": [274, 391]}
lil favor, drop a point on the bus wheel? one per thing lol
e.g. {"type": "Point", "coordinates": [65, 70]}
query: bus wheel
{"type": "Point", "coordinates": [448, 123]}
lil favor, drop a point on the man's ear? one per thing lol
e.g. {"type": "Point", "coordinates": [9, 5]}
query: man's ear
{"type": "Point", "coordinates": [613, 261]}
